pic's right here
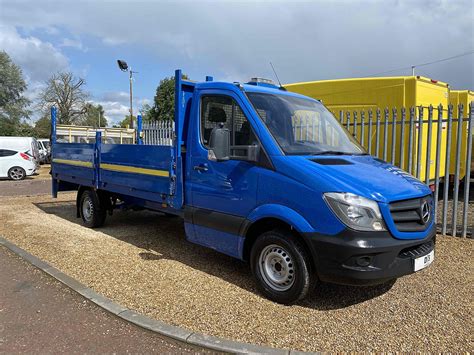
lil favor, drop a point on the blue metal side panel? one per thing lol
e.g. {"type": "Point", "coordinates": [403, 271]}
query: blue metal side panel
{"type": "Point", "coordinates": [184, 91]}
{"type": "Point", "coordinates": [137, 184]}
{"type": "Point", "coordinates": [222, 242]}
{"type": "Point", "coordinates": [70, 154]}
{"type": "Point", "coordinates": [283, 213]}
{"type": "Point", "coordinates": [54, 181]}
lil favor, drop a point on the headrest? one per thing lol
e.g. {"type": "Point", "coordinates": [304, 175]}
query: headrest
{"type": "Point", "coordinates": [217, 114]}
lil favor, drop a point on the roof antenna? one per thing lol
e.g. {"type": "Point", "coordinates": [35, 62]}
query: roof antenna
{"type": "Point", "coordinates": [278, 79]}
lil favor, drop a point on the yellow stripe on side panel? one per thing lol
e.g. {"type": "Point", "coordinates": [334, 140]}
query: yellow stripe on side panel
{"type": "Point", "coordinates": [85, 164]}
{"type": "Point", "coordinates": [132, 169]}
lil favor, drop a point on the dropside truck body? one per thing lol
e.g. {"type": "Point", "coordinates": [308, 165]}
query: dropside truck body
{"type": "Point", "coordinates": [299, 209]}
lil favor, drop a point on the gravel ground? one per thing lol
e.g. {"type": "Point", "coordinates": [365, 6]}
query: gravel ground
{"type": "Point", "coordinates": [141, 260]}
{"type": "Point", "coordinates": [43, 172]}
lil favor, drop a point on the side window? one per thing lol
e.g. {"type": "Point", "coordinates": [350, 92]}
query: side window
{"type": "Point", "coordinates": [7, 152]}
{"type": "Point", "coordinates": [215, 110]}
{"type": "Point", "coordinates": [224, 110]}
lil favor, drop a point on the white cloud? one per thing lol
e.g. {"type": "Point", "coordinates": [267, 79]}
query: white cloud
{"type": "Point", "coordinates": [305, 40]}
{"type": "Point", "coordinates": [116, 96]}
{"type": "Point", "coordinates": [38, 59]}
{"type": "Point", "coordinates": [73, 43]}
{"type": "Point", "coordinates": [116, 105]}
{"type": "Point", "coordinates": [113, 111]}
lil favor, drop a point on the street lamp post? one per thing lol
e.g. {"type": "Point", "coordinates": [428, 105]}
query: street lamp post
{"type": "Point", "coordinates": [124, 67]}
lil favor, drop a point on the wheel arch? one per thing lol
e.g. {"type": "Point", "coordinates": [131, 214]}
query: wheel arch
{"type": "Point", "coordinates": [269, 217]}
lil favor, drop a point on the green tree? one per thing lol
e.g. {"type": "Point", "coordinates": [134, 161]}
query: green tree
{"type": "Point", "coordinates": [26, 130]}
{"type": "Point", "coordinates": [146, 111]}
{"type": "Point", "coordinates": [13, 105]}
{"type": "Point", "coordinates": [163, 106]}
{"type": "Point", "coordinates": [93, 113]}
{"type": "Point", "coordinates": [67, 93]}
{"type": "Point", "coordinates": [43, 127]}
{"type": "Point", "coordinates": [125, 123]}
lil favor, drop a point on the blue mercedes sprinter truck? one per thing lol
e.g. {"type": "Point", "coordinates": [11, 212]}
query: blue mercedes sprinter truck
{"type": "Point", "coordinates": [249, 180]}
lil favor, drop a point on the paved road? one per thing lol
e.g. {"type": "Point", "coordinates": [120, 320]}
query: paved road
{"type": "Point", "coordinates": [40, 315]}
{"type": "Point", "coordinates": [27, 187]}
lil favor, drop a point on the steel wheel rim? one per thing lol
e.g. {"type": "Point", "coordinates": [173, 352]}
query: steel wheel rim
{"type": "Point", "coordinates": [87, 208]}
{"type": "Point", "coordinates": [16, 173]}
{"type": "Point", "coordinates": [277, 267]}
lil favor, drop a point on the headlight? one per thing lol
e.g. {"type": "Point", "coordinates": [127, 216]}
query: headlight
{"type": "Point", "coordinates": [356, 212]}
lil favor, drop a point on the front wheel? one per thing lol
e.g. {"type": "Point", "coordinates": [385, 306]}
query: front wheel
{"type": "Point", "coordinates": [92, 212]}
{"type": "Point", "coordinates": [281, 267]}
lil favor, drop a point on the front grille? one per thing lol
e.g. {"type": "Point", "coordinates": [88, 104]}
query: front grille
{"type": "Point", "coordinates": [407, 215]}
{"type": "Point", "coordinates": [417, 250]}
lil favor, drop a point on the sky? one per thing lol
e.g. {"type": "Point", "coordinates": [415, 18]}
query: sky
{"type": "Point", "coordinates": [233, 41]}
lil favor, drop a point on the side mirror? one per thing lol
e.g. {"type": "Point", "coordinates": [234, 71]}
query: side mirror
{"type": "Point", "coordinates": [219, 142]}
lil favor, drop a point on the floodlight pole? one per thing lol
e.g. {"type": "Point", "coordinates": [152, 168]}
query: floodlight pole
{"type": "Point", "coordinates": [131, 97]}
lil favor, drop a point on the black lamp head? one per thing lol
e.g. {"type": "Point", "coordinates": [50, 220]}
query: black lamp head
{"type": "Point", "coordinates": [122, 65]}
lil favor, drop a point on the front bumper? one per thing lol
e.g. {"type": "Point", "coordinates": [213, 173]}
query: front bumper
{"type": "Point", "coordinates": [366, 258]}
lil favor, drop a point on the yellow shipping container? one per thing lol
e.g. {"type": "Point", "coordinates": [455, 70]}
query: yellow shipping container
{"type": "Point", "coordinates": [364, 94]}
{"type": "Point", "coordinates": [457, 97]}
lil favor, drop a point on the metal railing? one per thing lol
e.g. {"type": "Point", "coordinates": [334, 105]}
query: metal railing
{"type": "Point", "coordinates": [442, 158]}
{"type": "Point", "coordinates": [158, 133]}
{"type": "Point", "coordinates": [86, 134]}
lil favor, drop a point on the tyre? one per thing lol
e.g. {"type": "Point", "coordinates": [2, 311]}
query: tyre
{"type": "Point", "coordinates": [92, 212]}
{"type": "Point", "coordinates": [281, 267]}
{"type": "Point", "coordinates": [17, 173]}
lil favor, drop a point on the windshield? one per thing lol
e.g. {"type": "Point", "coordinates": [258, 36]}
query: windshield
{"type": "Point", "coordinates": [303, 126]}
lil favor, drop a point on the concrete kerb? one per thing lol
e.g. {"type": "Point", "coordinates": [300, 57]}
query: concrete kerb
{"type": "Point", "coordinates": [186, 336]}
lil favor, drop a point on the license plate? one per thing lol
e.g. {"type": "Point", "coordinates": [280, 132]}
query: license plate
{"type": "Point", "coordinates": [424, 261]}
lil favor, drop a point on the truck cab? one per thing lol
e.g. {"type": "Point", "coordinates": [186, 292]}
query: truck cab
{"type": "Point", "coordinates": [251, 181]}
{"type": "Point", "coordinates": [315, 194]}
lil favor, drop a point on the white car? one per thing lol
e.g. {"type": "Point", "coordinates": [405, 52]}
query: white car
{"type": "Point", "coordinates": [16, 165]}
{"type": "Point", "coordinates": [19, 157]}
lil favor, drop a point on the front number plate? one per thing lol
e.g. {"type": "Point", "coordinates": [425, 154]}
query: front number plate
{"type": "Point", "coordinates": [424, 261]}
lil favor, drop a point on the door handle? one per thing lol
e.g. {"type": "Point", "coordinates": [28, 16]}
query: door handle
{"type": "Point", "coordinates": [201, 167]}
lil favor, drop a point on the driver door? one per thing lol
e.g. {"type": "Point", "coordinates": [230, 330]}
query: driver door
{"type": "Point", "coordinates": [222, 193]}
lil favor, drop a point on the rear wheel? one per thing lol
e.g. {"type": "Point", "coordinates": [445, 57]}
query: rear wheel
{"type": "Point", "coordinates": [281, 267]}
{"type": "Point", "coordinates": [16, 173]}
{"type": "Point", "coordinates": [92, 212]}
